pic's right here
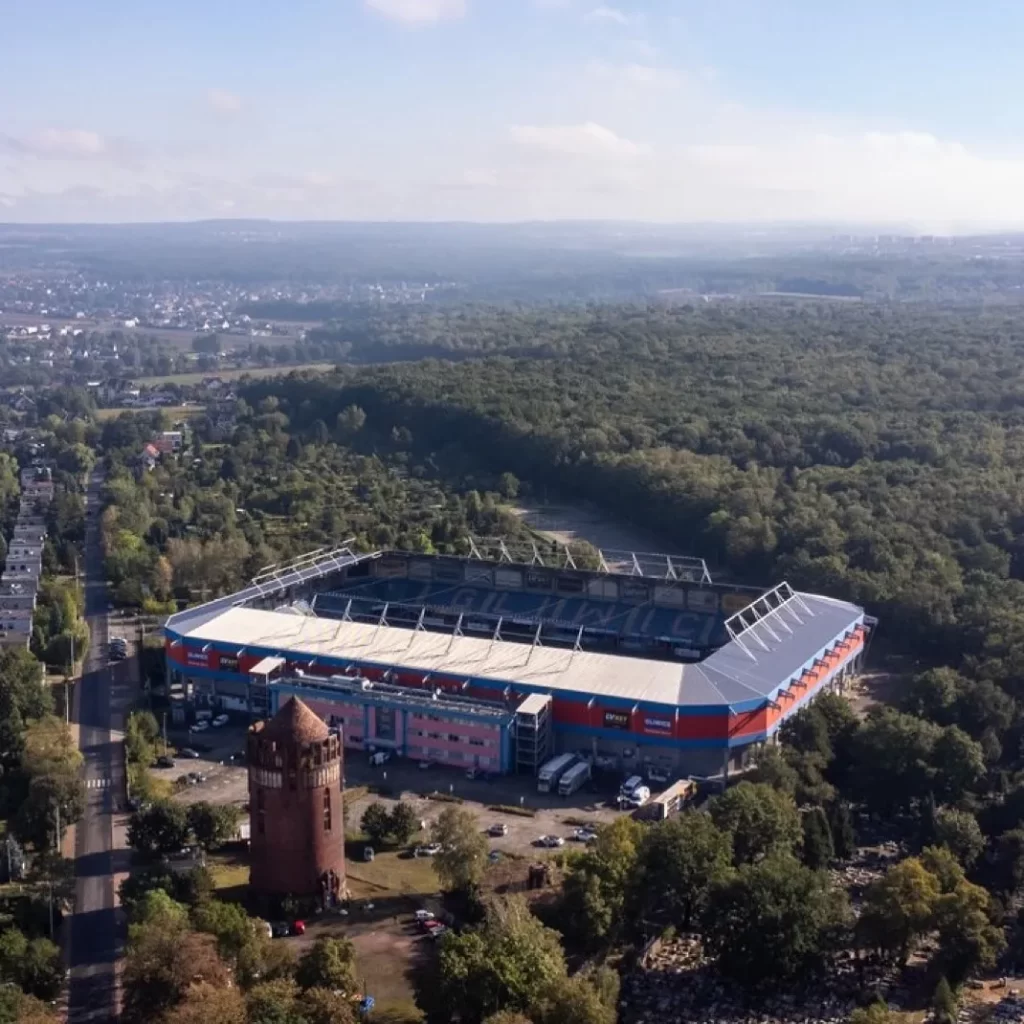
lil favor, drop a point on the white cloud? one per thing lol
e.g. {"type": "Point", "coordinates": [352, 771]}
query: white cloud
{"type": "Point", "coordinates": [223, 102]}
{"type": "Point", "coordinates": [57, 144]}
{"type": "Point", "coordinates": [609, 15]}
{"type": "Point", "coordinates": [588, 139]}
{"type": "Point", "coordinates": [645, 76]}
{"type": "Point", "coordinates": [418, 12]}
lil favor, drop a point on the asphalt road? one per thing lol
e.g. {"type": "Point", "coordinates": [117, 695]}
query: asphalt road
{"type": "Point", "coordinates": [96, 927]}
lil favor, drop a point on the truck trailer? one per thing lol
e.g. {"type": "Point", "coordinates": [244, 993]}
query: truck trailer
{"type": "Point", "coordinates": [575, 778]}
{"type": "Point", "coordinates": [551, 772]}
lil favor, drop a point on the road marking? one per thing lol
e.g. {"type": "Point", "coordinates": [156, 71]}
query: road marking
{"type": "Point", "coordinates": [97, 783]}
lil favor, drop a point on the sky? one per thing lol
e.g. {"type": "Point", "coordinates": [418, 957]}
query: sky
{"type": "Point", "coordinates": [880, 112]}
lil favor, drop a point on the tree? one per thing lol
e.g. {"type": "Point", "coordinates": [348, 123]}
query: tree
{"type": "Point", "coordinates": [42, 971]}
{"type": "Point", "coordinates": [213, 825]}
{"type": "Point", "coordinates": [508, 485]}
{"type": "Point", "coordinates": [50, 748]}
{"type": "Point", "coordinates": [351, 420]}
{"type": "Point", "coordinates": [207, 1004]}
{"type": "Point", "coordinates": [877, 1013]}
{"type": "Point", "coordinates": [1004, 865]}
{"type": "Point", "coordinates": [36, 820]}
{"type": "Point", "coordinates": [596, 887]}
{"type": "Point", "coordinates": [508, 961]}
{"type": "Point", "coordinates": [944, 1004]}
{"type": "Point", "coordinates": [969, 939]}
{"type": "Point", "coordinates": [161, 828]}
{"type": "Point", "coordinates": [274, 1002]}
{"type": "Point", "coordinates": [376, 823]}
{"type": "Point", "coordinates": [773, 769]}
{"type": "Point", "coordinates": [330, 964]}
{"type": "Point", "coordinates": [892, 760]}
{"type": "Point", "coordinates": [404, 822]}
{"type": "Point", "coordinates": [462, 859]}
{"type": "Point", "coordinates": [507, 1017]}
{"type": "Point", "coordinates": [206, 344]}
{"type": "Point", "coordinates": [228, 923]}
{"type": "Point", "coordinates": [844, 838]}
{"type": "Point", "coordinates": [933, 695]}
{"type": "Point", "coordinates": [761, 821]}
{"type": "Point", "coordinates": [958, 762]}
{"type": "Point", "coordinates": [575, 1001]}
{"type": "Point", "coordinates": [898, 908]}
{"type": "Point", "coordinates": [773, 920]}
{"type": "Point", "coordinates": [959, 830]}
{"type": "Point", "coordinates": [163, 961]}
{"type": "Point", "coordinates": [321, 1006]}
{"type": "Point", "coordinates": [817, 842]}
{"type": "Point", "coordinates": [679, 861]}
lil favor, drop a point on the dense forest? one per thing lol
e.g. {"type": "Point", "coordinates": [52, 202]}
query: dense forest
{"type": "Point", "coordinates": [206, 522]}
{"type": "Point", "coordinates": [869, 452]}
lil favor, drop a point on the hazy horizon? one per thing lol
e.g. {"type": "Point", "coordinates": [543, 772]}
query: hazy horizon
{"type": "Point", "coordinates": [659, 111]}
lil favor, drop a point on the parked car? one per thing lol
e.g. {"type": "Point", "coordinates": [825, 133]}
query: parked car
{"type": "Point", "coordinates": [551, 841]}
{"type": "Point", "coordinates": [188, 752]}
{"type": "Point", "coordinates": [298, 927]}
{"type": "Point", "coordinates": [368, 853]}
{"type": "Point", "coordinates": [165, 762]}
{"type": "Point", "coordinates": [584, 835]}
{"type": "Point", "coordinates": [279, 929]}
{"type": "Point", "coordinates": [498, 829]}
{"type": "Point", "coordinates": [436, 933]}
{"type": "Point", "coordinates": [430, 850]}
{"type": "Point", "coordinates": [424, 915]}
{"type": "Point", "coordinates": [472, 773]}
{"type": "Point", "coordinates": [200, 727]}
{"type": "Point", "coordinates": [221, 720]}
{"type": "Point", "coordinates": [379, 758]}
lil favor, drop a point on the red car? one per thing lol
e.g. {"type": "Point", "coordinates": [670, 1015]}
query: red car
{"type": "Point", "coordinates": [298, 927]}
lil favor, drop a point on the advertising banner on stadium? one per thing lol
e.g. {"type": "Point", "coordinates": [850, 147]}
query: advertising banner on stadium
{"type": "Point", "coordinates": [658, 726]}
{"type": "Point", "coordinates": [198, 659]}
{"type": "Point", "coordinates": [616, 719]}
{"type": "Point", "coordinates": [227, 663]}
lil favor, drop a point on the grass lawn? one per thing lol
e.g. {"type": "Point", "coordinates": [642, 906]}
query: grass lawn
{"type": "Point", "coordinates": [264, 371]}
{"type": "Point", "coordinates": [391, 873]}
{"type": "Point", "coordinates": [230, 872]}
{"type": "Point", "coordinates": [174, 411]}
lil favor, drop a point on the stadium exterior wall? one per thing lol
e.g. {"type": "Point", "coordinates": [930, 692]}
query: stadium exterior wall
{"type": "Point", "coordinates": [686, 737]}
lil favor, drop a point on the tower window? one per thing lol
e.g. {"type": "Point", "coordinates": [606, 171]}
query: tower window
{"type": "Point", "coordinates": [327, 810]}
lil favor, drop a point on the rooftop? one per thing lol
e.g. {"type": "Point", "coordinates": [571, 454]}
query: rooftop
{"type": "Point", "coordinates": [295, 722]}
{"type": "Point", "coordinates": [744, 672]}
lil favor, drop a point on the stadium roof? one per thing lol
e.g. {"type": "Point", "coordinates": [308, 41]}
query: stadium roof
{"type": "Point", "coordinates": [741, 675]}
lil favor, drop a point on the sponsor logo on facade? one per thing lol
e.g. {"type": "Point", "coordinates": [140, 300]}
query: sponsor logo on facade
{"type": "Point", "coordinates": [198, 658]}
{"type": "Point", "coordinates": [616, 719]}
{"type": "Point", "coordinates": [228, 663]}
{"type": "Point", "coordinates": [658, 725]}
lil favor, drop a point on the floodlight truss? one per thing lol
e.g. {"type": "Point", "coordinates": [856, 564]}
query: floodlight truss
{"type": "Point", "coordinates": [612, 562]}
{"type": "Point", "coordinates": [766, 619]}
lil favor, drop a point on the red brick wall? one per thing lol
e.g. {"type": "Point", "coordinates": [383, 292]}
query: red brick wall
{"type": "Point", "coordinates": [294, 850]}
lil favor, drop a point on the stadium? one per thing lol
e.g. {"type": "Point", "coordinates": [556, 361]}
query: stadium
{"type": "Point", "coordinates": [498, 660]}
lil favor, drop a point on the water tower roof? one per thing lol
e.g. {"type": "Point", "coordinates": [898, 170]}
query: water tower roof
{"type": "Point", "coordinates": [296, 722]}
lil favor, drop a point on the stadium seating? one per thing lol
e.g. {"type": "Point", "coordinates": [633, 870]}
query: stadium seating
{"type": "Point", "coordinates": [646, 624]}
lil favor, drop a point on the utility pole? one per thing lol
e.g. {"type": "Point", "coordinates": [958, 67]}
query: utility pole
{"type": "Point", "coordinates": [165, 731]}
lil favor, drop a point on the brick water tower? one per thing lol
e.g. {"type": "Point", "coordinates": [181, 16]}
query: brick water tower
{"type": "Point", "coordinates": [297, 838]}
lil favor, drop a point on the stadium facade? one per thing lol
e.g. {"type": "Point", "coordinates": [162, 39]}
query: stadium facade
{"type": "Point", "coordinates": [497, 664]}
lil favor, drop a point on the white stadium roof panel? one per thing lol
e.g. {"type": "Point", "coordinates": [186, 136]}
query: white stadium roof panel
{"type": "Point", "coordinates": [746, 671]}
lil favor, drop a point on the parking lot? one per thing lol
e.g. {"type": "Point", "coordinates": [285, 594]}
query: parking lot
{"type": "Point", "coordinates": [221, 763]}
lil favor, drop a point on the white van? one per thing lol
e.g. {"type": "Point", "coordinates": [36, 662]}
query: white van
{"type": "Point", "coordinates": [630, 785]}
{"type": "Point", "coordinates": [381, 757]}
